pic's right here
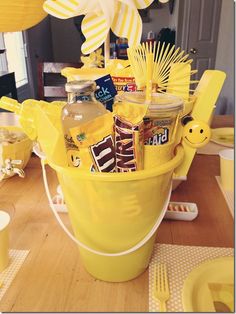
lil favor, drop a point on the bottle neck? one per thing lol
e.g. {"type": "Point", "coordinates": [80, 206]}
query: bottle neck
{"type": "Point", "coordinates": [78, 98]}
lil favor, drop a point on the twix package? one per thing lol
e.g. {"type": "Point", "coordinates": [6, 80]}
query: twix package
{"type": "Point", "coordinates": [95, 143]}
{"type": "Point", "coordinates": [129, 136]}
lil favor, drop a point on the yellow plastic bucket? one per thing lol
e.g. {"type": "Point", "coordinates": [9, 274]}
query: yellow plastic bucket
{"type": "Point", "coordinates": [115, 215]}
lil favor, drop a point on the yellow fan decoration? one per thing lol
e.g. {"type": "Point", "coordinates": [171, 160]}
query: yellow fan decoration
{"type": "Point", "coordinates": [162, 68]}
{"type": "Point", "coordinates": [94, 60]}
{"type": "Point", "coordinates": [100, 15]}
{"type": "Point", "coordinates": [18, 15]}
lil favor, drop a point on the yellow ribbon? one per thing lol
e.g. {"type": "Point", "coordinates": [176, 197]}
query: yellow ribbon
{"type": "Point", "coordinates": [100, 15]}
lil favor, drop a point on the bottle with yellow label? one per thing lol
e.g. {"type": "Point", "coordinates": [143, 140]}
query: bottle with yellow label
{"type": "Point", "coordinates": [81, 108]}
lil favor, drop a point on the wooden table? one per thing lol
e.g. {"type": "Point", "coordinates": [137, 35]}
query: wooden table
{"type": "Point", "coordinates": [52, 278]}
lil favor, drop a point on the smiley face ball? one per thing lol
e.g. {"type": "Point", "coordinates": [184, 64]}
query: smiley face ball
{"type": "Point", "coordinates": [196, 134]}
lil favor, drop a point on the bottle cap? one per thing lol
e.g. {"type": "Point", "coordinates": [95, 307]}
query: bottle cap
{"type": "Point", "coordinates": [82, 87]}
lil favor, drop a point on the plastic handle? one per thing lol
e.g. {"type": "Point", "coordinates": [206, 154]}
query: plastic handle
{"type": "Point", "coordinates": [38, 152]}
{"type": "Point", "coordinates": [10, 104]}
{"type": "Point", "coordinates": [84, 246]}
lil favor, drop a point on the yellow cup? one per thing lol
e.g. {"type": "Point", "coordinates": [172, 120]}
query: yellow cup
{"type": "Point", "coordinates": [4, 239]}
{"type": "Point", "coordinates": [156, 155]}
{"type": "Point", "coordinates": [227, 169]}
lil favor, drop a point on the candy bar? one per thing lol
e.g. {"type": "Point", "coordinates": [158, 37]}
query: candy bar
{"type": "Point", "coordinates": [129, 140]}
{"type": "Point", "coordinates": [95, 143]}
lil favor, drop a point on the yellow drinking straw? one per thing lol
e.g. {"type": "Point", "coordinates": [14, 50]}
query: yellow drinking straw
{"type": "Point", "coordinates": [149, 62]}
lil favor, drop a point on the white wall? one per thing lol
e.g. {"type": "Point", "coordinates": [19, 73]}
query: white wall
{"type": "Point", "coordinates": [225, 57]}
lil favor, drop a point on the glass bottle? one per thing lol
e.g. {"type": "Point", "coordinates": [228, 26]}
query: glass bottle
{"type": "Point", "coordinates": [81, 107]}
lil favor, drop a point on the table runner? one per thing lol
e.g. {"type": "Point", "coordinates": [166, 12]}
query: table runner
{"type": "Point", "coordinates": [17, 258]}
{"type": "Point", "coordinates": [180, 261]}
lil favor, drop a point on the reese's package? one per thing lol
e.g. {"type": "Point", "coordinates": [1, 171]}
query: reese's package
{"type": "Point", "coordinates": [94, 139]}
{"type": "Point", "coordinates": [129, 136]}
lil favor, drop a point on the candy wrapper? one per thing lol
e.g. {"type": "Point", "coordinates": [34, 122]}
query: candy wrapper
{"type": "Point", "coordinates": [129, 136]}
{"type": "Point", "coordinates": [122, 76]}
{"type": "Point", "coordinates": [94, 140]}
{"type": "Point", "coordinates": [106, 90]}
{"type": "Point", "coordinates": [158, 131]}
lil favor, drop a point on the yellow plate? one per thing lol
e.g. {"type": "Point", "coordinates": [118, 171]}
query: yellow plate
{"type": "Point", "coordinates": [223, 136]}
{"type": "Point", "coordinates": [209, 287]}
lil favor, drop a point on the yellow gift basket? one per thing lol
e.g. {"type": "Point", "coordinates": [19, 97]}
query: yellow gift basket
{"type": "Point", "coordinates": [14, 156]}
{"type": "Point", "coordinates": [115, 216]}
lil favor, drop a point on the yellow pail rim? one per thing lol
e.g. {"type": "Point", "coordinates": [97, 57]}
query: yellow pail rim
{"type": "Point", "coordinates": [125, 176]}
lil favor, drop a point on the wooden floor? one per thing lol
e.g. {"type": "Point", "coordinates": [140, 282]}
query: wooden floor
{"type": "Point", "coordinates": [52, 279]}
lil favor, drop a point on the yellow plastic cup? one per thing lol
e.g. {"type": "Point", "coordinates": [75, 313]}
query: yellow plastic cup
{"type": "Point", "coordinates": [227, 169]}
{"type": "Point", "coordinates": [4, 239]}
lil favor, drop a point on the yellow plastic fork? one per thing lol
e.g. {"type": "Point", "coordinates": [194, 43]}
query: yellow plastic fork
{"type": "Point", "coordinates": [161, 287]}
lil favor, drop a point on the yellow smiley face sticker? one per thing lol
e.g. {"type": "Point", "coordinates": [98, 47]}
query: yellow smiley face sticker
{"type": "Point", "coordinates": [196, 134]}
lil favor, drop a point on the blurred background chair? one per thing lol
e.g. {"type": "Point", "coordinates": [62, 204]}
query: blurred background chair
{"type": "Point", "coordinates": [51, 84]}
{"type": "Point", "coordinates": [8, 84]}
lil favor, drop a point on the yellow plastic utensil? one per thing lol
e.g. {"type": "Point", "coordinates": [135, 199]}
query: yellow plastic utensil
{"type": "Point", "coordinates": [34, 116]}
{"type": "Point", "coordinates": [161, 286]}
{"type": "Point", "coordinates": [206, 95]}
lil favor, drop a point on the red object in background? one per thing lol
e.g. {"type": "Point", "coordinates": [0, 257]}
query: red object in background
{"type": "Point", "coordinates": [131, 87]}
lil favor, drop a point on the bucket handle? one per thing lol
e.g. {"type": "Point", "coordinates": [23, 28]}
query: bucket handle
{"type": "Point", "coordinates": [84, 246]}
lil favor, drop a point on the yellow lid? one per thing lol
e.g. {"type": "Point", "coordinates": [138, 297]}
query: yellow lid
{"type": "Point", "coordinates": [159, 102]}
